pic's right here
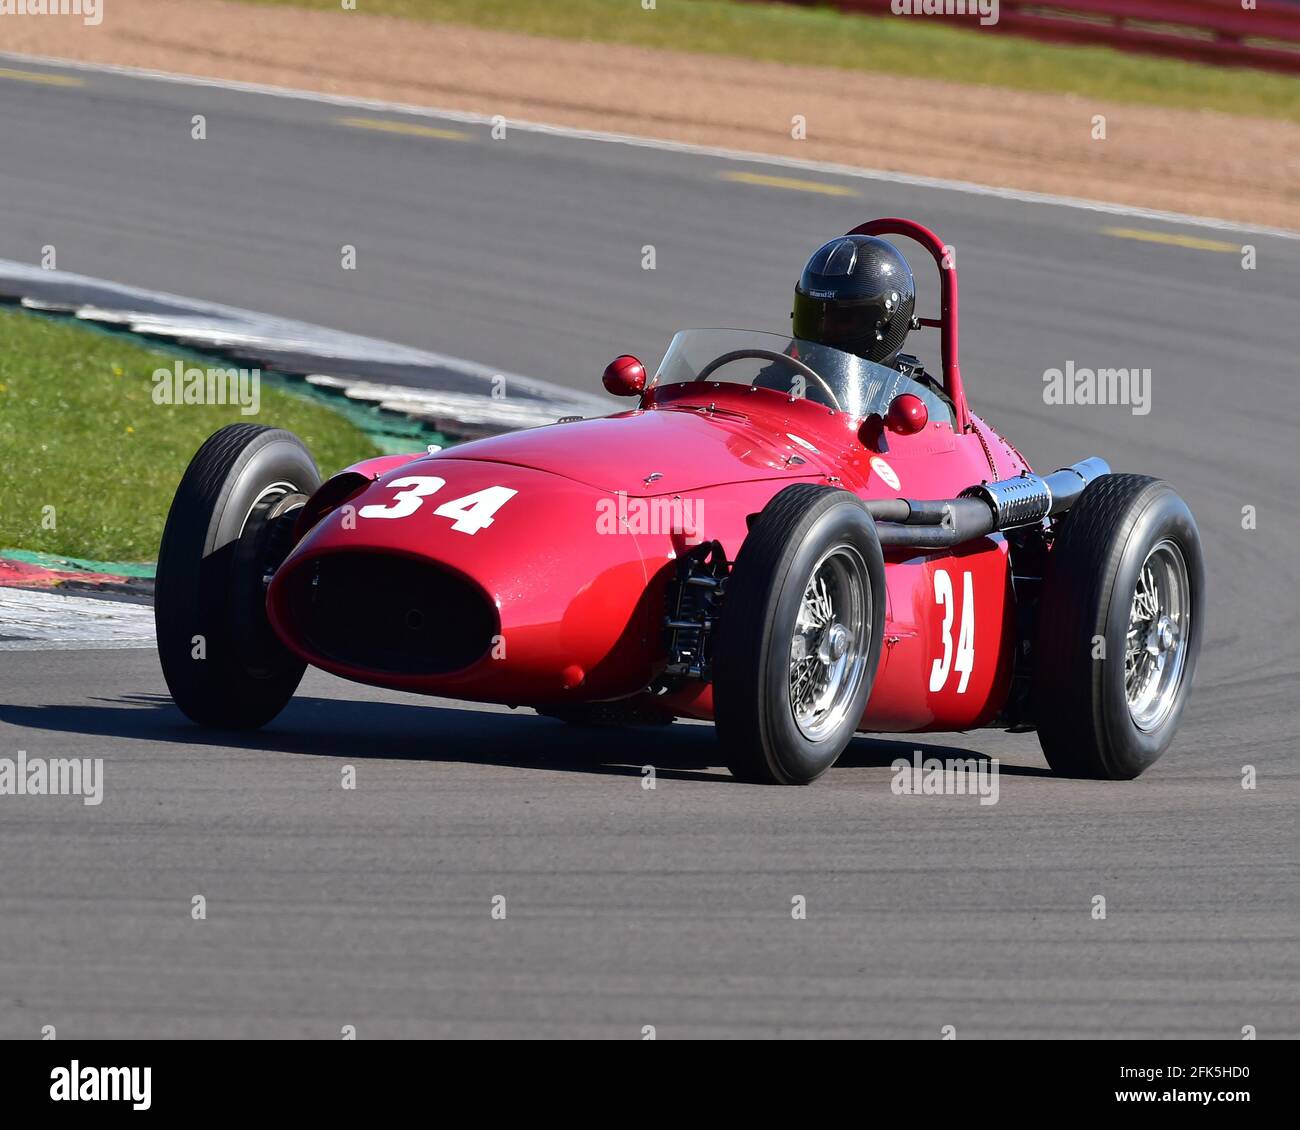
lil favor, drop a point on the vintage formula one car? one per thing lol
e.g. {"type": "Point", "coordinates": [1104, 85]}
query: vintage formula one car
{"type": "Point", "coordinates": [786, 538]}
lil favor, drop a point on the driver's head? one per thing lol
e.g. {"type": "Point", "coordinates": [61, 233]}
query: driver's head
{"type": "Point", "coordinates": [856, 294]}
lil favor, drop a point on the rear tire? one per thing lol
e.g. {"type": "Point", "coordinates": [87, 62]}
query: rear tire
{"type": "Point", "coordinates": [1126, 571]}
{"type": "Point", "coordinates": [228, 529]}
{"type": "Point", "coordinates": [800, 636]}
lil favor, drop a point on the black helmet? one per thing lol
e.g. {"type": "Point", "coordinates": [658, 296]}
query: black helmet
{"type": "Point", "coordinates": [856, 294]}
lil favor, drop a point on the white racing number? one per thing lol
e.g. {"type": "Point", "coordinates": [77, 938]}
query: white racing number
{"type": "Point", "coordinates": [474, 511]}
{"type": "Point", "coordinates": [405, 502]}
{"type": "Point", "coordinates": [469, 514]}
{"type": "Point", "coordinates": [943, 596]}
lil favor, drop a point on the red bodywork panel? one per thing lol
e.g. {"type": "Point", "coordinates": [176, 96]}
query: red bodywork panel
{"type": "Point", "coordinates": [581, 609]}
{"type": "Point", "coordinates": [579, 585]}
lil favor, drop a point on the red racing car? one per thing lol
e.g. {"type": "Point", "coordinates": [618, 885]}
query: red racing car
{"type": "Point", "coordinates": [797, 536]}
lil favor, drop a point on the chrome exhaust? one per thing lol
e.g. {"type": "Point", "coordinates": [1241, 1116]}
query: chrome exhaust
{"type": "Point", "coordinates": [1028, 498]}
{"type": "Point", "coordinates": [1006, 504]}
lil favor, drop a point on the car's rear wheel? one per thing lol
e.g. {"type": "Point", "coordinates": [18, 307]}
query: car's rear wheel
{"type": "Point", "coordinates": [228, 530]}
{"type": "Point", "coordinates": [799, 640]}
{"type": "Point", "coordinates": [1119, 628]}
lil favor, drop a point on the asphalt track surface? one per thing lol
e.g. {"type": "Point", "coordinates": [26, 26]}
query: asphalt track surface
{"type": "Point", "coordinates": [628, 907]}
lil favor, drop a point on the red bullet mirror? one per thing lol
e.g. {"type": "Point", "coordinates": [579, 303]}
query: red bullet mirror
{"type": "Point", "coordinates": [625, 376]}
{"type": "Point", "coordinates": [907, 414]}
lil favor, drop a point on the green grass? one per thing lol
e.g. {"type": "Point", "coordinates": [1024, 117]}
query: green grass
{"type": "Point", "coordinates": [79, 431]}
{"type": "Point", "coordinates": [918, 46]}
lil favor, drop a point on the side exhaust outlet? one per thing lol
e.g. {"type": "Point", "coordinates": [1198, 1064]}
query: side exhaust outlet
{"type": "Point", "coordinates": [1028, 498]}
{"type": "Point", "coordinates": [1006, 504]}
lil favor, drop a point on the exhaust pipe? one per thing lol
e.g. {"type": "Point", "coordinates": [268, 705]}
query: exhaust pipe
{"type": "Point", "coordinates": [1007, 504]}
{"type": "Point", "coordinates": [1028, 498]}
{"type": "Point", "coordinates": [1067, 484]}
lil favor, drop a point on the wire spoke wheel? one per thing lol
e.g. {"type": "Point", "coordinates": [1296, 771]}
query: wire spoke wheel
{"type": "Point", "coordinates": [800, 636]}
{"type": "Point", "coordinates": [1158, 628]}
{"type": "Point", "coordinates": [831, 643]}
{"type": "Point", "coordinates": [1125, 569]}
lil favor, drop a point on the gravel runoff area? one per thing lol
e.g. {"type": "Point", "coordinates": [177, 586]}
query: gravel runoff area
{"type": "Point", "coordinates": [1198, 162]}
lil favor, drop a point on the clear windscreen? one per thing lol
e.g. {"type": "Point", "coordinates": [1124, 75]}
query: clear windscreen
{"type": "Point", "coordinates": [803, 369]}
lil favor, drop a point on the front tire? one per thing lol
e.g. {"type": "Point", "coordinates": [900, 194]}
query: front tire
{"type": "Point", "coordinates": [1119, 628]}
{"type": "Point", "coordinates": [800, 636]}
{"type": "Point", "coordinates": [228, 529]}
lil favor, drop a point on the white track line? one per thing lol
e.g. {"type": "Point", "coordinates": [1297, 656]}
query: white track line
{"type": "Point", "coordinates": [41, 621]}
{"type": "Point", "coordinates": [859, 173]}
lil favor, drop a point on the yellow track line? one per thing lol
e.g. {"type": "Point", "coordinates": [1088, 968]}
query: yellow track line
{"type": "Point", "coordinates": [385, 125]}
{"type": "Point", "coordinates": [789, 183]}
{"type": "Point", "coordinates": [1172, 240]}
{"type": "Point", "coordinates": [48, 80]}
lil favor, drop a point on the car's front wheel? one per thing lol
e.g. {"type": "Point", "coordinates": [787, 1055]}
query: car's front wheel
{"type": "Point", "coordinates": [799, 640]}
{"type": "Point", "coordinates": [228, 530]}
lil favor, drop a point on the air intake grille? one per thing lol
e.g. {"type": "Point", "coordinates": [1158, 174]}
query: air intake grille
{"type": "Point", "coordinates": [388, 614]}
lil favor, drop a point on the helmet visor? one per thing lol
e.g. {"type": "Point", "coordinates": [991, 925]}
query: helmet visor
{"type": "Point", "coordinates": [849, 322]}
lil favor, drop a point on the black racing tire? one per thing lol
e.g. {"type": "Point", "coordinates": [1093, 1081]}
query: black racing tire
{"type": "Point", "coordinates": [229, 527]}
{"type": "Point", "coordinates": [1088, 725]}
{"type": "Point", "coordinates": [804, 527]}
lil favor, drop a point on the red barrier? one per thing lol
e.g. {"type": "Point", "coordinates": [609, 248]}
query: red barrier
{"type": "Point", "coordinates": [1208, 31]}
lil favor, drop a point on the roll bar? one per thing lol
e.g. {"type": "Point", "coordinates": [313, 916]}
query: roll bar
{"type": "Point", "coordinates": [946, 323]}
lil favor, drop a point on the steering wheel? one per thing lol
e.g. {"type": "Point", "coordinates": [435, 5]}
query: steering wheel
{"type": "Point", "coordinates": [768, 355]}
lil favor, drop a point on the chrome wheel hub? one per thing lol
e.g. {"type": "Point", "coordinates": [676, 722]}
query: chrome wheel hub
{"type": "Point", "coordinates": [830, 644]}
{"type": "Point", "coordinates": [1156, 645]}
{"type": "Point", "coordinates": [835, 642]}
